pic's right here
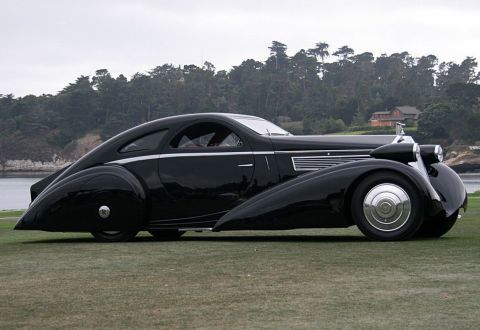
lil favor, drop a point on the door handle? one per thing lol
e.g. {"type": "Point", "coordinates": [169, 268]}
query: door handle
{"type": "Point", "coordinates": [245, 165]}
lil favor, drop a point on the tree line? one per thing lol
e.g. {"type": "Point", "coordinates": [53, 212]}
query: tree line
{"type": "Point", "coordinates": [325, 89]}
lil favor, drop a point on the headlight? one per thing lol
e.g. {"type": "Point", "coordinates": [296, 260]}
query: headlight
{"type": "Point", "coordinates": [439, 153]}
{"type": "Point", "coordinates": [416, 151]}
{"type": "Point", "coordinates": [431, 153]}
{"type": "Point", "coordinates": [401, 152]}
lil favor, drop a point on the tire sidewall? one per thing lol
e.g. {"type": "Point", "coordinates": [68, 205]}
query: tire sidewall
{"type": "Point", "coordinates": [415, 218]}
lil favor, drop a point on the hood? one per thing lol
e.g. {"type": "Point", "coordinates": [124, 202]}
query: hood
{"type": "Point", "coordinates": [330, 142]}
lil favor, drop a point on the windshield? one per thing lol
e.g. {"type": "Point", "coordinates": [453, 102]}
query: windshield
{"type": "Point", "coordinates": [261, 126]}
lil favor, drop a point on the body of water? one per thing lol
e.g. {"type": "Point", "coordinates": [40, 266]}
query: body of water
{"type": "Point", "coordinates": [471, 181]}
{"type": "Point", "coordinates": [15, 191]}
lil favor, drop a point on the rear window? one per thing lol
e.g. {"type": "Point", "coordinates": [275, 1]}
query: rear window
{"type": "Point", "coordinates": [146, 142]}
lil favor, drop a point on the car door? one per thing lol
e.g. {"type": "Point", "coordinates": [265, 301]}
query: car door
{"type": "Point", "coordinates": [206, 170]}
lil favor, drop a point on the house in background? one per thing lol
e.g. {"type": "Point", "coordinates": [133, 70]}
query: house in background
{"type": "Point", "coordinates": [397, 114]}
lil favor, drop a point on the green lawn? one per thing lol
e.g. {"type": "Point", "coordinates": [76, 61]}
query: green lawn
{"type": "Point", "coordinates": [10, 215]}
{"type": "Point", "coordinates": [292, 279]}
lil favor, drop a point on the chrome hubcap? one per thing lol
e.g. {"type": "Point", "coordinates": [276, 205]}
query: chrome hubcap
{"type": "Point", "coordinates": [104, 211]}
{"type": "Point", "coordinates": [387, 207]}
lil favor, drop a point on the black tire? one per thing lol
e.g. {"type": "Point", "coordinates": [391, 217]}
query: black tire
{"type": "Point", "coordinates": [393, 209]}
{"type": "Point", "coordinates": [114, 236]}
{"type": "Point", "coordinates": [437, 227]}
{"type": "Point", "coordinates": [166, 235]}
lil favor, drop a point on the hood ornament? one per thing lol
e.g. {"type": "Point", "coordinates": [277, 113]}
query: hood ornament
{"type": "Point", "coordinates": [399, 129]}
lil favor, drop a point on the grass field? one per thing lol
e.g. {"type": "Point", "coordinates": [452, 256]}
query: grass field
{"type": "Point", "coordinates": [293, 279]}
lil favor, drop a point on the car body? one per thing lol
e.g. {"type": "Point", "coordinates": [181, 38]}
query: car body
{"type": "Point", "coordinates": [217, 171]}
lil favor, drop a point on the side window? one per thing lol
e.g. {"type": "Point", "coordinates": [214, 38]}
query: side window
{"type": "Point", "coordinates": [146, 142]}
{"type": "Point", "coordinates": [206, 135]}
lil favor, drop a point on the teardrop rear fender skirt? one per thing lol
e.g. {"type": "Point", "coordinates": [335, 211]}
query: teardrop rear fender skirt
{"type": "Point", "coordinates": [318, 199]}
{"type": "Point", "coordinates": [39, 186]}
{"type": "Point", "coordinates": [74, 202]}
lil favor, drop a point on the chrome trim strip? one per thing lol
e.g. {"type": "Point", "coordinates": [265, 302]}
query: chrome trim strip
{"type": "Point", "coordinates": [245, 165]}
{"type": "Point", "coordinates": [134, 159]}
{"type": "Point", "coordinates": [189, 154]}
{"type": "Point", "coordinates": [235, 153]}
{"type": "Point", "coordinates": [194, 229]}
{"type": "Point", "coordinates": [314, 151]}
{"type": "Point", "coordinates": [329, 157]}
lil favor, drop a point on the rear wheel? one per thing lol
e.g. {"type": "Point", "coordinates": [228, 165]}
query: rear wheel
{"type": "Point", "coordinates": [438, 226]}
{"type": "Point", "coordinates": [114, 236]}
{"type": "Point", "coordinates": [166, 235]}
{"type": "Point", "coordinates": [387, 207]}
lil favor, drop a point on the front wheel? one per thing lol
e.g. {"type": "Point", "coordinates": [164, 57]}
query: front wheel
{"type": "Point", "coordinates": [114, 236]}
{"type": "Point", "coordinates": [386, 206]}
{"type": "Point", "coordinates": [438, 226]}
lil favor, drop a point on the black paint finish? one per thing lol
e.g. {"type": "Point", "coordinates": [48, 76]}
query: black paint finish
{"type": "Point", "coordinates": [265, 182]}
{"type": "Point", "coordinates": [449, 186]}
{"type": "Point", "coordinates": [72, 204]}
{"type": "Point", "coordinates": [317, 199]}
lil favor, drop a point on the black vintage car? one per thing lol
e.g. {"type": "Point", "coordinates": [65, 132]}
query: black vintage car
{"type": "Point", "coordinates": [215, 172]}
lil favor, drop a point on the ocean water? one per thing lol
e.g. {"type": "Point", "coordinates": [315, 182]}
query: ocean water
{"type": "Point", "coordinates": [15, 192]}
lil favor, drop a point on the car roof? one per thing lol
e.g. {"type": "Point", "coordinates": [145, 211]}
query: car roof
{"type": "Point", "coordinates": [209, 115]}
{"type": "Point", "coordinates": [184, 118]}
{"type": "Point", "coordinates": [145, 128]}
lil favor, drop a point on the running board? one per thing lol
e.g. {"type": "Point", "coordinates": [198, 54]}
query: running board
{"type": "Point", "coordinates": [195, 229]}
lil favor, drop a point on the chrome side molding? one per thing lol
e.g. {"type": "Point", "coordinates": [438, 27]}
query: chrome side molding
{"type": "Point", "coordinates": [195, 229]}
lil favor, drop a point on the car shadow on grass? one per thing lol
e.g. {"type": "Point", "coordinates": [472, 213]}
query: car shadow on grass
{"type": "Point", "coordinates": [240, 238]}
{"type": "Point", "coordinates": [277, 238]}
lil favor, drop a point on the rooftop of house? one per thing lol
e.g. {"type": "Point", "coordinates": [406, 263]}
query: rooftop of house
{"type": "Point", "coordinates": [408, 110]}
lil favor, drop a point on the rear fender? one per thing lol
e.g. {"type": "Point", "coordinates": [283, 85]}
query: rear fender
{"type": "Point", "coordinates": [40, 186]}
{"type": "Point", "coordinates": [72, 204]}
{"type": "Point", "coordinates": [317, 199]}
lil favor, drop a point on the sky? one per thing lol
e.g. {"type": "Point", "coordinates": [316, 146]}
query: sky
{"type": "Point", "coordinates": [47, 44]}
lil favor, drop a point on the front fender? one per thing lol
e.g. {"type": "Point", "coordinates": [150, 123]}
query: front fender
{"type": "Point", "coordinates": [449, 186]}
{"type": "Point", "coordinates": [72, 204]}
{"type": "Point", "coordinates": [318, 199]}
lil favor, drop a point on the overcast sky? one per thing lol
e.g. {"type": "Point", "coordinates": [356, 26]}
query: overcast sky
{"type": "Point", "coordinates": [47, 44]}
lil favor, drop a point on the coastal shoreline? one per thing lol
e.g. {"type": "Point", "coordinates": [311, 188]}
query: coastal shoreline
{"type": "Point", "coordinates": [29, 167]}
